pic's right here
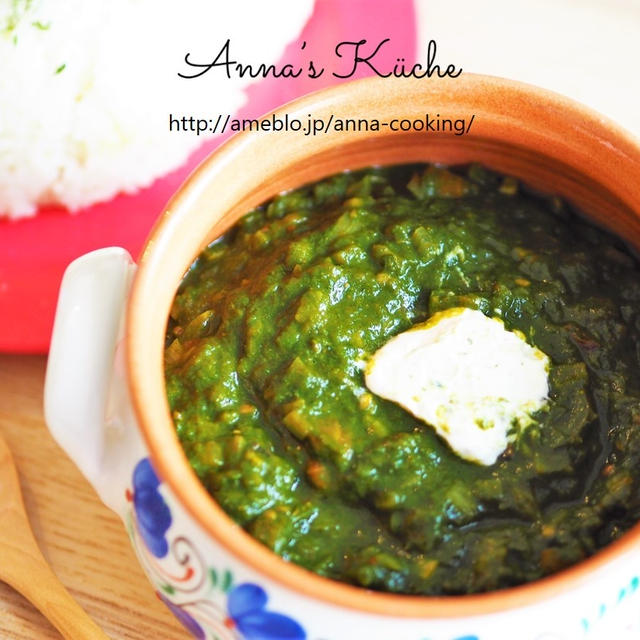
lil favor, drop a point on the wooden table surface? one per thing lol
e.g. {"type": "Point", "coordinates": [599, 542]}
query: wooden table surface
{"type": "Point", "coordinates": [84, 542]}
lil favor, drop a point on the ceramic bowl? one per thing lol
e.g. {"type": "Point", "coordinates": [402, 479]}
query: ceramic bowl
{"type": "Point", "coordinates": [105, 398]}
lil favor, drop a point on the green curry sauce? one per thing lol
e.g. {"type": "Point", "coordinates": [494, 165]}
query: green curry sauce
{"type": "Point", "coordinates": [272, 327]}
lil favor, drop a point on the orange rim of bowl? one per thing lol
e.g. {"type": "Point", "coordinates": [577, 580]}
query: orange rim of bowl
{"type": "Point", "coordinates": [144, 355]}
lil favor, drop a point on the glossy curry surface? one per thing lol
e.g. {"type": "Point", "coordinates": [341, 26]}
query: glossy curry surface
{"type": "Point", "coordinates": [273, 326]}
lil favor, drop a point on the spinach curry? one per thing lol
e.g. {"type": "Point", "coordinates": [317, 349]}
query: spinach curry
{"type": "Point", "coordinates": [272, 328]}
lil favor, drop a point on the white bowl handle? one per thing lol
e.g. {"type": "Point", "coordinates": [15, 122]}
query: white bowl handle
{"type": "Point", "coordinates": [87, 329]}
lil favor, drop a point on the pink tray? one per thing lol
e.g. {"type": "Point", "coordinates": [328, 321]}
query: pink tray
{"type": "Point", "coordinates": [34, 252]}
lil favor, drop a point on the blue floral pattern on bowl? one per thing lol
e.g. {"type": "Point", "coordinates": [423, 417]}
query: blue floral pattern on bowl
{"type": "Point", "coordinates": [205, 600]}
{"type": "Point", "coordinates": [185, 618]}
{"type": "Point", "coordinates": [152, 513]}
{"type": "Point", "coordinates": [246, 606]}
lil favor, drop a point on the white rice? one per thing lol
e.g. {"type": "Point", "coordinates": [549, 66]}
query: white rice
{"type": "Point", "coordinates": [86, 88]}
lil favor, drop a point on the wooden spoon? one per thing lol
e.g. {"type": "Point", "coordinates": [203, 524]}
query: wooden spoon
{"type": "Point", "coordinates": [23, 566]}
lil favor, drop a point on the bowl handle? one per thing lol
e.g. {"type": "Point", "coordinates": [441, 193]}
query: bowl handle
{"type": "Point", "coordinates": [80, 381]}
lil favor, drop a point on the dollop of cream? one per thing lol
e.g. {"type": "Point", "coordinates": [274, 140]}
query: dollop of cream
{"type": "Point", "coordinates": [476, 383]}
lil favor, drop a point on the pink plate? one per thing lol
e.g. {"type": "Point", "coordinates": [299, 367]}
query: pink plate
{"type": "Point", "coordinates": [35, 251]}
